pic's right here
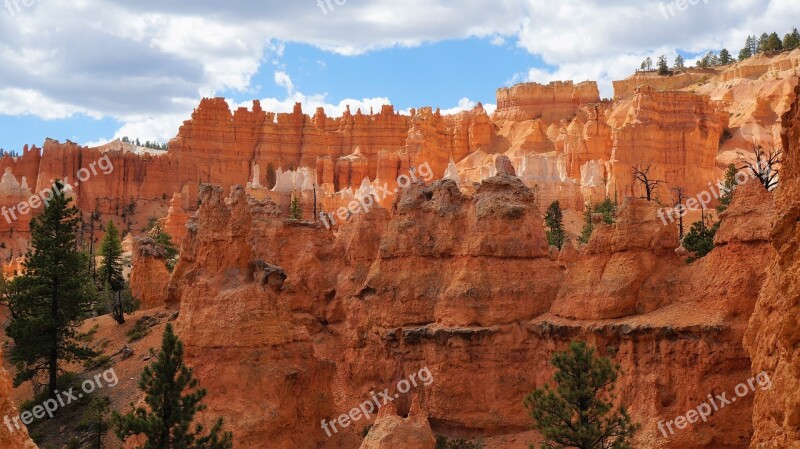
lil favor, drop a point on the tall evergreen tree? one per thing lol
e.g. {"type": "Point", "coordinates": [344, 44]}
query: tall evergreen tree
{"type": "Point", "coordinates": [112, 282]}
{"type": "Point", "coordinates": [753, 45]}
{"type": "Point", "coordinates": [554, 220]}
{"type": "Point", "coordinates": [762, 43]}
{"type": "Point", "coordinates": [729, 184]}
{"type": "Point", "coordinates": [111, 251]}
{"type": "Point", "coordinates": [295, 212]}
{"type": "Point", "coordinates": [53, 296]}
{"type": "Point", "coordinates": [95, 421]}
{"type": "Point", "coordinates": [580, 412]}
{"type": "Point", "coordinates": [663, 66]}
{"type": "Point", "coordinates": [747, 50]}
{"type": "Point", "coordinates": [680, 63]}
{"type": "Point", "coordinates": [792, 40]}
{"type": "Point", "coordinates": [588, 224]}
{"type": "Point", "coordinates": [173, 398]}
{"type": "Point", "coordinates": [774, 43]}
{"type": "Point", "coordinates": [725, 57]}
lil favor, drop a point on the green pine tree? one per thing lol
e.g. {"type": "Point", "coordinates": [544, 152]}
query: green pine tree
{"type": "Point", "coordinates": [554, 220]}
{"type": "Point", "coordinates": [53, 296]}
{"type": "Point", "coordinates": [173, 399]}
{"type": "Point", "coordinates": [579, 412]}
{"type": "Point", "coordinates": [792, 40]}
{"type": "Point", "coordinates": [725, 57]}
{"type": "Point", "coordinates": [727, 191]}
{"type": "Point", "coordinates": [295, 213]}
{"type": "Point", "coordinates": [663, 66]}
{"type": "Point", "coordinates": [680, 63]}
{"type": "Point", "coordinates": [588, 224]}
{"type": "Point", "coordinates": [170, 250]}
{"type": "Point", "coordinates": [608, 209]}
{"type": "Point", "coordinates": [111, 251]}
{"type": "Point", "coordinates": [95, 421]}
{"type": "Point", "coordinates": [700, 239]}
{"type": "Point", "coordinates": [763, 45]}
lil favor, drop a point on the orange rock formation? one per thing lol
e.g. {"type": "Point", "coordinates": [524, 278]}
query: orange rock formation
{"type": "Point", "coordinates": [11, 438]}
{"type": "Point", "coordinates": [774, 334]}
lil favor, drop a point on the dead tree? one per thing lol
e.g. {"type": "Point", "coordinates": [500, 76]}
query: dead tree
{"type": "Point", "coordinates": [764, 165]}
{"type": "Point", "coordinates": [680, 195]}
{"type": "Point", "coordinates": [650, 185]}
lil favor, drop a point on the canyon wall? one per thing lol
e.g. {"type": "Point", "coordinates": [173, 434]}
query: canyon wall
{"type": "Point", "coordinates": [677, 134]}
{"type": "Point", "coordinates": [773, 337]}
{"type": "Point", "coordinates": [11, 437]}
{"type": "Point", "coordinates": [307, 324]}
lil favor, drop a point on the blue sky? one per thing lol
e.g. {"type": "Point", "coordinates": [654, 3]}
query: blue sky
{"type": "Point", "coordinates": [98, 69]}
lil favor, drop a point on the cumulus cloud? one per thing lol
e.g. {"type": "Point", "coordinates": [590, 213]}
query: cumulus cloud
{"type": "Point", "coordinates": [147, 63]}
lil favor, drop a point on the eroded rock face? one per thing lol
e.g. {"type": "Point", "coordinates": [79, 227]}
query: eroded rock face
{"type": "Point", "coordinates": [555, 101]}
{"type": "Point", "coordinates": [149, 275]}
{"type": "Point", "coordinates": [257, 352]}
{"type": "Point", "coordinates": [622, 267]}
{"type": "Point", "coordinates": [773, 336]}
{"type": "Point", "coordinates": [677, 134]}
{"type": "Point", "coordinates": [457, 284]}
{"type": "Point", "coordinates": [11, 438]}
{"type": "Point", "coordinates": [392, 431]}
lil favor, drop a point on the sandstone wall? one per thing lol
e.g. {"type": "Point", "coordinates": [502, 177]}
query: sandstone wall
{"type": "Point", "coordinates": [551, 103]}
{"type": "Point", "coordinates": [677, 133]}
{"type": "Point", "coordinates": [627, 88]}
{"type": "Point", "coordinates": [16, 438]}
{"type": "Point", "coordinates": [773, 336]}
{"type": "Point", "coordinates": [465, 286]}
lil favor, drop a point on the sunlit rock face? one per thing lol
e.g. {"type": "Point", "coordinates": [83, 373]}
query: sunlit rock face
{"type": "Point", "coordinates": [773, 337]}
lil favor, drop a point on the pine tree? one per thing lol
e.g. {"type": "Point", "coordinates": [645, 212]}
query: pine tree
{"type": "Point", "coordinates": [762, 43]}
{"type": "Point", "coordinates": [295, 213]}
{"type": "Point", "coordinates": [792, 40]}
{"type": "Point", "coordinates": [680, 63]}
{"type": "Point", "coordinates": [554, 220]}
{"type": "Point", "coordinates": [173, 398]}
{"type": "Point", "coordinates": [663, 66]}
{"type": "Point", "coordinates": [53, 296]}
{"type": "Point", "coordinates": [608, 209]}
{"type": "Point", "coordinates": [753, 45]}
{"type": "Point", "coordinates": [700, 239]}
{"type": "Point", "coordinates": [774, 43]}
{"type": "Point", "coordinates": [113, 285]}
{"type": "Point", "coordinates": [580, 411]}
{"type": "Point", "coordinates": [95, 421]}
{"type": "Point", "coordinates": [725, 57]}
{"type": "Point", "coordinates": [746, 51]}
{"type": "Point", "coordinates": [111, 251]}
{"type": "Point", "coordinates": [171, 251]}
{"type": "Point", "coordinates": [727, 191]}
{"type": "Point", "coordinates": [588, 224]}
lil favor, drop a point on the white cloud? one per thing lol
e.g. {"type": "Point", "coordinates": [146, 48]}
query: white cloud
{"type": "Point", "coordinates": [147, 63]}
